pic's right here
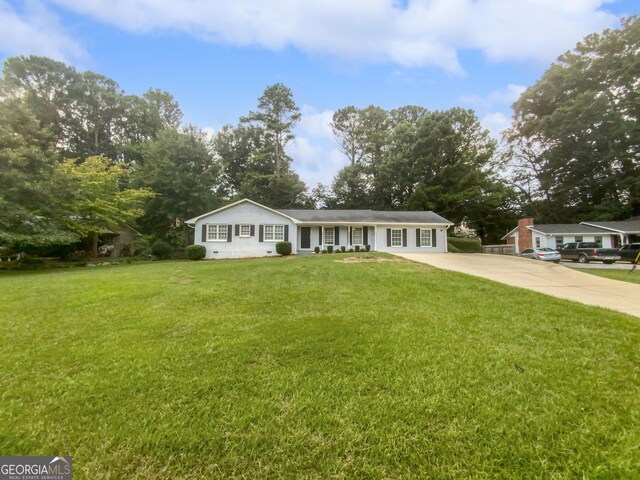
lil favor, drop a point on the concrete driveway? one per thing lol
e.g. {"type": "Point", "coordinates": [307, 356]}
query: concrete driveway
{"type": "Point", "coordinates": [543, 277]}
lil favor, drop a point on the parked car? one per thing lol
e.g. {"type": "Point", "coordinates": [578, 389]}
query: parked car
{"type": "Point", "coordinates": [584, 252]}
{"type": "Point", "coordinates": [544, 254]}
{"type": "Point", "coordinates": [629, 252]}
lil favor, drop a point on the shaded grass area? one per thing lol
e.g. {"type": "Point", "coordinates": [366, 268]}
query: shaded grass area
{"type": "Point", "coordinates": [312, 368]}
{"type": "Point", "coordinates": [622, 275]}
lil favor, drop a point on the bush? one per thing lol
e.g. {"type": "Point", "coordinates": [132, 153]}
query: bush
{"type": "Point", "coordinates": [351, 250]}
{"type": "Point", "coordinates": [357, 248]}
{"type": "Point", "coordinates": [329, 248]}
{"type": "Point", "coordinates": [161, 249]}
{"type": "Point", "coordinates": [283, 248]}
{"type": "Point", "coordinates": [31, 263]}
{"type": "Point", "coordinates": [316, 249]}
{"type": "Point", "coordinates": [465, 245]}
{"type": "Point", "coordinates": [324, 251]}
{"type": "Point", "coordinates": [126, 250]}
{"type": "Point", "coordinates": [142, 246]}
{"type": "Point", "coordinates": [367, 248]}
{"type": "Point", "coordinates": [343, 248]}
{"type": "Point", "coordinates": [452, 249]}
{"type": "Point", "coordinates": [196, 252]}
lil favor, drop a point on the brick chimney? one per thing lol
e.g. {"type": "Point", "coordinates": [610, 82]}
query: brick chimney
{"type": "Point", "coordinates": [525, 239]}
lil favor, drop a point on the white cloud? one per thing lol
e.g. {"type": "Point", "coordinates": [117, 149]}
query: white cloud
{"type": "Point", "coordinates": [314, 123]}
{"type": "Point", "coordinates": [418, 34]}
{"type": "Point", "coordinates": [507, 95]}
{"type": "Point", "coordinates": [492, 107]}
{"type": "Point", "coordinates": [35, 31]}
{"type": "Point", "coordinates": [495, 122]}
{"type": "Point", "coordinates": [315, 161]}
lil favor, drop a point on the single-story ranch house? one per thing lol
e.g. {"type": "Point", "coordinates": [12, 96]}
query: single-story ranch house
{"type": "Point", "coordinates": [605, 234]}
{"type": "Point", "coordinates": [249, 229]}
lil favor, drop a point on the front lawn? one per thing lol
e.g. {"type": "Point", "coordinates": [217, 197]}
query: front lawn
{"type": "Point", "coordinates": [622, 275]}
{"type": "Point", "coordinates": [313, 368]}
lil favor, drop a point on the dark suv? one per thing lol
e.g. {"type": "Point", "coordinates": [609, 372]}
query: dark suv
{"type": "Point", "coordinates": [584, 252]}
{"type": "Point", "coordinates": [629, 252]}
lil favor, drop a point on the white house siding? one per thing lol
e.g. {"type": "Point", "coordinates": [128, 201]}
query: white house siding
{"type": "Point", "coordinates": [550, 240]}
{"type": "Point", "coordinates": [239, 247]}
{"type": "Point", "coordinates": [343, 236]}
{"type": "Point", "coordinates": [381, 239]}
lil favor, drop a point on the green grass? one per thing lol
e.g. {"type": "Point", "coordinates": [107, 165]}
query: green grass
{"type": "Point", "coordinates": [622, 275]}
{"type": "Point", "coordinates": [310, 368]}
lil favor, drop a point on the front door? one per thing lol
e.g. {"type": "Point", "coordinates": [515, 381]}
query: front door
{"type": "Point", "coordinates": [305, 237]}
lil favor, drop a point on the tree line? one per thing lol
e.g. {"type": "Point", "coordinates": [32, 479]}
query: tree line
{"type": "Point", "coordinates": [78, 155]}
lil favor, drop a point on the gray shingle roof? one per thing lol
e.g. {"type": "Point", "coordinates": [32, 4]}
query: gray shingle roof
{"type": "Point", "coordinates": [365, 216]}
{"type": "Point", "coordinates": [625, 226]}
{"type": "Point", "coordinates": [568, 228]}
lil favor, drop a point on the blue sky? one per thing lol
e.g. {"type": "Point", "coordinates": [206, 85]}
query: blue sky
{"type": "Point", "coordinates": [217, 57]}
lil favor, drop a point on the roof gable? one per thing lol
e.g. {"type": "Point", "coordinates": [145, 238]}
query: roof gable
{"type": "Point", "coordinates": [193, 220]}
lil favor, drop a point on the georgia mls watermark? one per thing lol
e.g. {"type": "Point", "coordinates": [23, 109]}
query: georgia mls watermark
{"type": "Point", "coordinates": [35, 468]}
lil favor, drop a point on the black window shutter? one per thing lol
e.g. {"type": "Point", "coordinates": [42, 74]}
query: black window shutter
{"type": "Point", "coordinates": [261, 234]}
{"type": "Point", "coordinates": [365, 235]}
{"type": "Point", "coordinates": [433, 238]}
{"type": "Point", "coordinates": [350, 235]}
{"type": "Point", "coordinates": [388, 237]}
{"type": "Point", "coordinates": [319, 235]}
{"type": "Point", "coordinates": [204, 233]}
{"type": "Point", "coordinates": [404, 237]}
{"type": "Point", "coordinates": [418, 237]}
{"type": "Point", "coordinates": [286, 233]}
{"type": "Point", "coordinates": [229, 232]}
{"type": "Point", "coordinates": [237, 230]}
{"type": "Point", "coordinates": [336, 240]}
{"type": "Point", "coordinates": [253, 231]}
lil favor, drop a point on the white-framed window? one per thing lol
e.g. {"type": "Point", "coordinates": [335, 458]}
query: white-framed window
{"type": "Point", "coordinates": [328, 235]}
{"type": "Point", "coordinates": [356, 235]}
{"type": "Point", "coordinates": [598, 240]}
{"type": "Point", "coordinates": [425, 237]}
{"type": "Point", "coordinates": [245, 230]}
{"type": "Point", "coordinates": [273, 233]}
{"type": "Point", "coordinates": [537, 242]}
{"type": "Point", "coordinates": [396, 237]}
{"type": "Point", "coordinates": [217, 233]}
{"type": "Point", "coordinates": [578, 238]}
{"type": "Point", "coordinates": [559, 242]}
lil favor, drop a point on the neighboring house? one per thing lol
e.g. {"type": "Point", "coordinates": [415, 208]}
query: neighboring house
{"type": "Point", "coordinates": [249, 229]}
{"type": "Point", "coordinates": [628, 231]}
{"type": "Point", "coordinates": [120, 237]}
{"type": "Point", "coordinates": [528, 235]}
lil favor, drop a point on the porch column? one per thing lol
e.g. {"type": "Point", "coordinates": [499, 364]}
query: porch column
{"type": "Point", "coordinates": [375, 238]}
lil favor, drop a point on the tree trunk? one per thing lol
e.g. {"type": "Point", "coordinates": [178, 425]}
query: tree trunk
{"type": "Point", "coordinates": [94, 244]}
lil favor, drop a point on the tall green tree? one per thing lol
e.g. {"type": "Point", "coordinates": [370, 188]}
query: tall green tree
{"type": "Point", "coordinates": [253, 156]}
{"type": "Point", "coordinates": [574, 146]}
{"type": "Point", "coordinates": [87, 113]}
{"type": "Point", "coordinates": [277, 115]}
{"type": "Point", "coordinates": [29, 191]}
{"type": "Point", "coordinates": [179, 166]}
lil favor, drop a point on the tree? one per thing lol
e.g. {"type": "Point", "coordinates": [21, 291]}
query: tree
{"type": "Point", "coordinates": [87, 113]}
{"type": "Point", "coordinates": [253, 156]}
{"type": "Point", "coordinates": [29, 211]}
{"type": "Point", "coordinates": [179, 166]}
{"type": "Point", "coordinates": [277, 114]}
{"type": "Point", "coordinates": [93, 200]}
{"type": "Point", "coordinates": [576, 132]}
{"type": "Point", "coordinates": [346, 129]}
